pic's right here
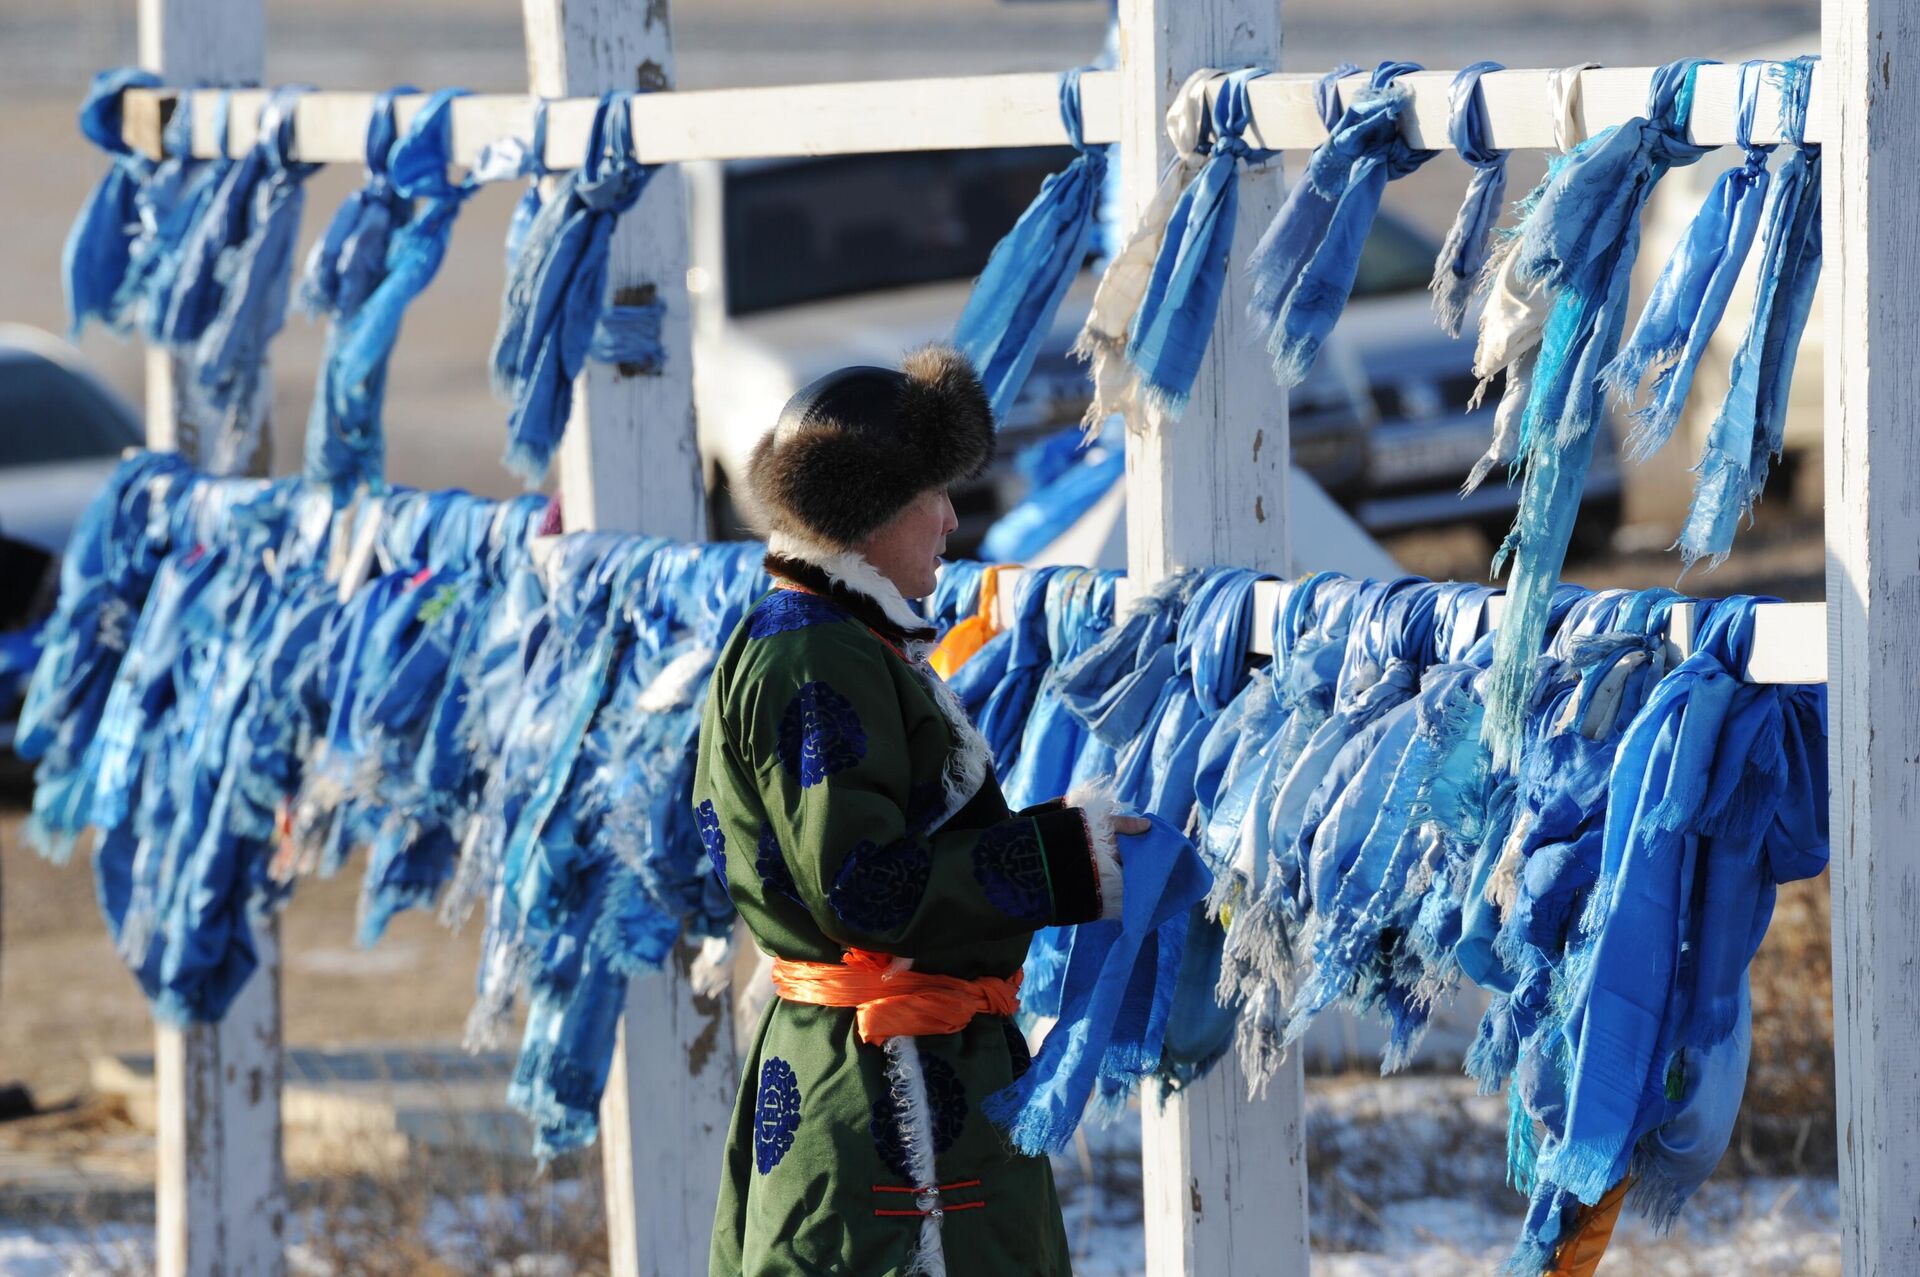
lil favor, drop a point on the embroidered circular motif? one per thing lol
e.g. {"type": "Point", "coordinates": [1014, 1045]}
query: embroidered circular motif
{"type": "Point", "coordinates": [820, 734]}
{"type": "Point", "coordinates": [776, 1113]}
{"type": "Point", "coordinates": [946, 1106]}
{"type": "Point", "coordinates": [1017, 1049]}
{"type": "Point", "coordinates": [1011, 868]}
{"type": "Point", "coordinates": [771, 864]}
{"type": "Point", "coordinates": [785, 610]}
{"type": "Point", "coordinates": [711, 838]}
{"type": "Point", "coordinates": [879, 888]}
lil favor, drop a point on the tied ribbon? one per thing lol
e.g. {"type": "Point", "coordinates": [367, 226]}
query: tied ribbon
{"type": "Point", "coordinates": [1750, 428]}
{"type": "Point", "coordinates": [1182, 298]}
{"type": "Point", "coordinates": [890, 1002]}
{"type": "Point", "coordinates": [345, 440]}
{"type": "Point", "coordinates": [254, 275]}
{"type": "Point", "coordinates": [169, 206]}
{"type": "Point", "coordinates": [1691, 294]}
{"type": "Point", "coordinates": [1579, 244]}
{"type": "Point", "coordinates": [1304, 266]}
{"type": "Point", "coordinates": [1103, 339]}
{"type": "Point", "coordinates": [1012, 305]}
{"type": "Point", "coordinates": [1457, 269]}
{"type": "Point", "coordinates": [556, 291]}
{"type": "Point", "coordinates": [99, 248]}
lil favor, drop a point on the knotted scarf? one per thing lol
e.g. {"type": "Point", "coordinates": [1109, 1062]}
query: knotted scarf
{"type": "Point", "coordinates": [1011, 308]}
{"type": "Point", "coordinates": [169, 204]}
{"type": "Point", "coordinates": [1456, 271]}
{"type": "Point", "coordinates": [1181, 300]}
{"type": "Point", "coordinates": [1750, 428]}
{"type": "Point", "coordinates": [1579, 242]}
{"type": "Point", "coordinates": [100, 245]}
{"type": "Point", "coordinates": [551, 317]}
{"type": "Point", "coordinates": [1305, 264]}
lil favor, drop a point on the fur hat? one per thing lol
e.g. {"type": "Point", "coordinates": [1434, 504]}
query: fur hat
{"type": "Point", "coordinates": [853, 449]}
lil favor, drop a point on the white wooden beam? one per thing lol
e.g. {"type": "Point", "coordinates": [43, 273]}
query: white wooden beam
{"type": "Point", "coordinates": [1224, 1180]}
{"type": "Point", "coordinates": [220, 1186]}
{"type": "Point", "coordinates": [1871, 56]}
{"type": "Point", "coordinates": [955, 113]}
{"type": "Point", "coordinates": [629, 461]}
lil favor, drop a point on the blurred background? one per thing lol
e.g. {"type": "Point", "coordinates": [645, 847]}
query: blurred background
{"type": "Point", "coordinates": [799, 267]}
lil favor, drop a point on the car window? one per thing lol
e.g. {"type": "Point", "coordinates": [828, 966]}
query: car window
{"type": "Point", "coordinates": [825, 228]}
{"type": "Point", "coordinates": [1395, 259]}
{"type": "Point", "coordinates": [49, 414]}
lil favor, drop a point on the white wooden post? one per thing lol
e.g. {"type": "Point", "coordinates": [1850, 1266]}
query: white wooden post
{"type": "Point", "coordinates": [1871, 49]}
{"type": "Point", "coordinates": [630, 461]}
{"type": "Point", "coordinates": [1224, 1179]}
{"type": "Point", "coordinates": [221, 1190]}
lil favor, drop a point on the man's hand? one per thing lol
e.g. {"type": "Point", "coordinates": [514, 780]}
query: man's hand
{"type": "Point", "coordinates": [1131, 825]}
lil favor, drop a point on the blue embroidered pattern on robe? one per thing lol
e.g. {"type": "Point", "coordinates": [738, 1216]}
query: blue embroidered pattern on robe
{"type": "Point", "coordinates": [1011, 868]}
{"type": "Point", "coordinates": [878, 888]}
{"type": "Point", "coordinates": [785, 610]}
{"type": "Point", "coordinates": [712, 839]}
{"type": "Point", "coordinates": [771, 864]}
{"type": "Point", "coordinates": [926, 802]}
{"type": "Point", "coordinates": [1017, 1049]}
{"type": "Point", "coordinates": [946, 1106]}
{"type": "Point", "coordinates": [820, 734]}
{"type": "Point", "coordinates": [776, 1113]}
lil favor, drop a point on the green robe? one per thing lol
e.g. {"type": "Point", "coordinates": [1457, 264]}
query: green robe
{"type": "Point", "coordinates": [848, 804]}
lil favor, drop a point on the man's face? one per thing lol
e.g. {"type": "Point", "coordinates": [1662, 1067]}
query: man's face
{"type": "Point", "coordinates": [907, 550]}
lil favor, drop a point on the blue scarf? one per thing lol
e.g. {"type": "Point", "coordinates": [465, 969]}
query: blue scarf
{"type": "Point", "coordinates": [254, 275]}
{"type": "Point", "coordinates": [1011, 308]}
{"type": "Point", "coordinates": [1305, 263]}
{"type": "Point", "coordinates": [169, 204]}
{"type": "Point", "coordinates": [100, 245]}
{"type": "Point", "coordinates": [1691, 294]}
{"type": "Point", "coordinates": [1750, 428]}
{"type": "Point", "coordinates": [1456, 271]}
{"type": "Point", "coordinates": [1171, 329]}
{"type": "Point", "coordinates": [1580, 242]}
{"type": "Point", "coordinates": [1115, 1004]}
{"type": "Point", "coordinates": [345, 443]}
{"type": "Point", "coordinates": [551, 317]}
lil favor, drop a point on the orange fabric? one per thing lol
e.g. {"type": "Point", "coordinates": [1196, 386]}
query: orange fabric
{"type": "Point", "coordinates": [1579, 1255]}
{"type": "Point", "coordinates": [892, 1002]}
{"type": "Point", "coordinates": [970, 635]}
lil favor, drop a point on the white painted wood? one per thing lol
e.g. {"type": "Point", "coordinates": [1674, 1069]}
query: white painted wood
{"type": "Point", "coordinates": [1872, 55]}
{"type": "Point", "coordinates": [629, 461]}
{"type": "Point", "coordinates": [973, 111]}
{"type": "Point", "coordinates": [220, 1189]}
{"type": "Point", "coordinates": [1224, 1180]}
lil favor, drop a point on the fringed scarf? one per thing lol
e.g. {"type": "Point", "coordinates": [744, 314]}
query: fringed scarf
{"type": "Point", "coordinates": [1103, 340]}
{"type": "Point", "coordinates": [1750, 428]}
{"type": "Point", "coordinates": [1579, 243]}
{"type": "Point", "coordinates": [1691, 293]}
{"type": "Point", "coordinates": [1456, 271]}
{"type": "Point", "coordinates": [346, 447]}
{"type": "Point", "coordinates": [551, 317]}
{"type": "Point", "coordinates": [1011, 308]}
{"type": "Point", "coordinates": [1181, 301]}
{"type": "Point", "coordinates": [1304, 266]}
{"type": "Point", "coordinates": [100, 245]}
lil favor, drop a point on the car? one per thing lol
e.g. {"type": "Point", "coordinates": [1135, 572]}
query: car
{"type": "Point", "coordinates": [800, 266]}
{"type": "Point", "coordinates": [61, 433]}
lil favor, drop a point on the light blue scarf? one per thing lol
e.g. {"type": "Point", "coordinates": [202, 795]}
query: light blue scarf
{"type": "Point", "coordinates": [100, 245]}
{"type": "Point", "coordinates": [1456, 271]}
{"type": "Point", "coordinates": [1011, 308]}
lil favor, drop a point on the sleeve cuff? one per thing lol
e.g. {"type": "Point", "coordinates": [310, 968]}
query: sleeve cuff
{"type": "Point", "coordinates": [1082, 864]}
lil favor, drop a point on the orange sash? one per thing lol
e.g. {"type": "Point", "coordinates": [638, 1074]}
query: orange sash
{"type": "Point", "coordinates": [890, 1003]}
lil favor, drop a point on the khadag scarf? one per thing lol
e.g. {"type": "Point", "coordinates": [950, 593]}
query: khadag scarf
{"type": "Point", "coordinates": [255, 276]}
{"type": "Point", "coordinates": [1456, 271]}
{"type": "Point", "coordinates": [1103, 339]}
{"type": "Point", "coordinates": [100, 244]}
{"type": "Point", "coordinates": [1691, 293]}
{"type": "Point", "coordinates": [168, 204]}
{"type": "Point", "coordinates": [345, 440]}
{"type": "Point", "coordinates": [1011, 308]}
{"type": "Point", "coordinates": [1304, 266]}
{"type": "Point", "coordinates": [1181, 300]}
{"type": "Point", "coordinates": [553, 315]}
{"type": "Point", "coordinates": [1750, 428]}
{"type": "Point", "coordinates": [1580, 243]}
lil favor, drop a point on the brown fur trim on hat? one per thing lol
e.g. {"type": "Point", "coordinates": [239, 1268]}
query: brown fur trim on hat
{"type": "Point", "coordinates": [851, 450]}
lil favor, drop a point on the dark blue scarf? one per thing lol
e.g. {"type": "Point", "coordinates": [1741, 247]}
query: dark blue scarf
{"type": "Point", "coordinates": [1456, 271]}
{"type": "Point", "coordinates": [99, 247]}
